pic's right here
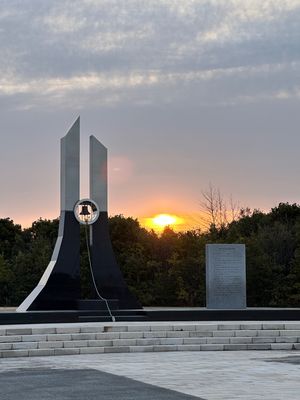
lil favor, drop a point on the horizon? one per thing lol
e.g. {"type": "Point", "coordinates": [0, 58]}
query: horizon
{"type": "Point", "coordinates": [199, 222]}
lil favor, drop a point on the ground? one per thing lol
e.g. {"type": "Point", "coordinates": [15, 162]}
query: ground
{"type": "Point", "coordinates": [268, 375]}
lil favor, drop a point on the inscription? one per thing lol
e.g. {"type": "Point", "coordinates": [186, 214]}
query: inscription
{"type": "Point", "coordinates": [225, 276]}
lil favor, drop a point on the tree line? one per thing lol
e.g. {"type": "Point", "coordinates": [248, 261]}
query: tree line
{"type": "Point", "coordinates": [167, 269]}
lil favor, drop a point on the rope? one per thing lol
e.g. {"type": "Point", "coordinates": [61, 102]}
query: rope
{"type": "Point", "coordinates": [93, 277]}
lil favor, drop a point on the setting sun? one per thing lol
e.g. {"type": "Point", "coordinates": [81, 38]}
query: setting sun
{"type": "Point", "coordinates": [160, 221]}
{"type": "Point", "coordinates": [163, 220]}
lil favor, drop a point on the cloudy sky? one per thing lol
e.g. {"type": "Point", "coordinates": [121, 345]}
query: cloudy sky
{"type": "Point", "coordinates": [183, 93]}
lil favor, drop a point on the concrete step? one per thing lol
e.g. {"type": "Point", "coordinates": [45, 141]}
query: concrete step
{"type": "Point", "coordinates": [154, 348]}
{"type": "Point", "coordinates": [90, 338]}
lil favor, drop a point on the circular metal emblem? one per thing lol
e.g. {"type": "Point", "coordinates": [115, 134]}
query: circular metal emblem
{"type": "Point", "coordinates": [86, 211]}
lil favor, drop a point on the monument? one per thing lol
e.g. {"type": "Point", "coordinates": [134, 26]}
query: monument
{"type": "Point", "coordinates": [57, 296]}
{"type": "Point", "coordinates": [225, 276]}
{"type": "Point", "coordinates": [59, 287]}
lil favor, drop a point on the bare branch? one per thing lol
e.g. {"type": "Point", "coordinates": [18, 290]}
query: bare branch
{"type": "Point", "coordinates": [215, 211]}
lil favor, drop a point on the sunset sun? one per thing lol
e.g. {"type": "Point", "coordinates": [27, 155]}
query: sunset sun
{"type": "Point", "coordinates": [160, 221]}
{"type": "Point", "coordinates": [163, 220]}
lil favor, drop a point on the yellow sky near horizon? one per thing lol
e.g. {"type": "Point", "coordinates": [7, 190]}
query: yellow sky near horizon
{"type": "Point", "coordinates": [179, 222]}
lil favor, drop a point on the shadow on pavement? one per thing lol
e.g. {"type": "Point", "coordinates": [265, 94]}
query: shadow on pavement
{"type": "Point", "coordinates": [84, 384]}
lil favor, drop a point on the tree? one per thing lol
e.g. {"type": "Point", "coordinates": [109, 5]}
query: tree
{"type": "Point", "coordinates": [6, 282]}
{"type": "Point", "coordinates": [215, 211]}
{"type": "Point", "coordinates": [10, 237]}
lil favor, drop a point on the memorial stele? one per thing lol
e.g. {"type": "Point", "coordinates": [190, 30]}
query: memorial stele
{"type": "Point", "coordinates": [60, 286]}
{"type": "Point", "coordinates": [225, 276]}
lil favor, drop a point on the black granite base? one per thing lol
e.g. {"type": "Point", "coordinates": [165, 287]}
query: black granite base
{"type": "Point", "coordinates": [188, 314]}
{"type": "Point", "coordinates": [93, 305]}
{"type": "Point", "coordinates": [249, 314]}
{"type": "Point", "coordinates": [37, 317]}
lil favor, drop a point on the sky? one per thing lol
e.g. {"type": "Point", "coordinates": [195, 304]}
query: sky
{"type": "Point", "coordinates": [183, 93]}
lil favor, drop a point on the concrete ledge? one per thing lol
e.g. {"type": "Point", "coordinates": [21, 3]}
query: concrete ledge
{"type": "Point", "coordinates": [66, 352]}
{"type": "Point", "coordinates": [189, 347]}
{"type": "Point", "coordinates": [14, 353]}
{"type": "Point", "coordinates": [282, 346]}
{"type": "Point", "coordinates": [248, 333]}
{"type": "Point", "coordinates": [236, 347]}
{"type": "Point", "coordinates": [141, 349]}
{"type": "Point", "coordinates": [75, 344]}
{"type": "Point", "coordinates": [264, 346]}
{"type": "Point", "coordinates": [241, 340]}
{"type": "Point", "coordinates": [49, 345]}
{"type": "Point", "coordinates": [25, 345]}
{"type": "Point", "coordinates": [264, 340]}
{"type": "Point", "coordinates": [165, 348]}
{"type": "Point", "coordinates": [6, 346]}
{"type": "Point", "coordinates": [91, 350]}
{"type": "Point", "coordinates": [211, 347]}
{"type": "Point", "coordinates": [10, 339]}
{"type": "Point", "coordinates": [121, 349]}
{"type": "Point", "coordinates": [99, 343]}
{"type": "Point", "coordinates": [41, 352]}
{"type": "Point", "coordinates": [223, 333]}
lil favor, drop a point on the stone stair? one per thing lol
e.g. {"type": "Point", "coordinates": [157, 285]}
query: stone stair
{"type": "Point", "coordinates": [92, 338]}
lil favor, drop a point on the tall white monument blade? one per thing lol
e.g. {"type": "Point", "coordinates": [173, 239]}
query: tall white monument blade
{"type": "Point", "coordinates": [70, 167]}
{"type": "Point", "coordinates": [98, 173]}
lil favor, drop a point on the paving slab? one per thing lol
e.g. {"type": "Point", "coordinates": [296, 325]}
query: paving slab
{"type": "Point", "coordinates": [239, 375]}
{"type": "Point", "coordinates": [62, 384]}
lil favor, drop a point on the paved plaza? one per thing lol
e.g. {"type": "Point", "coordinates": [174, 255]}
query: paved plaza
{"type": "Point", "coordinates": [268, 375]}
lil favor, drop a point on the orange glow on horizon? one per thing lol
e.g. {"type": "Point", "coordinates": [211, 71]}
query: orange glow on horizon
{"type": "Point", "coordinates": [160, 221]}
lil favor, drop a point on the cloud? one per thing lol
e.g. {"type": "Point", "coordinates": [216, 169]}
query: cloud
{"type": "Point", "coordinates": [63, 23]}
{"type": "Point", "coordinates": [108, 88]}
{"type": "Point", "coordinates": [154, 51]}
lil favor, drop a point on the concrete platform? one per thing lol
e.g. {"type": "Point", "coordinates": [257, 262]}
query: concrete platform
{"type": "Point", "coordinates": [210, 375]}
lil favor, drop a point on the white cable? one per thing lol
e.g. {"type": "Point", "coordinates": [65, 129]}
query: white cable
{"type": "Point", "coordinates": [93, 277]}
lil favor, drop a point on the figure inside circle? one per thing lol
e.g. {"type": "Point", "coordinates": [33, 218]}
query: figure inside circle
{"type": "Point", "coordinates": [86, 211]}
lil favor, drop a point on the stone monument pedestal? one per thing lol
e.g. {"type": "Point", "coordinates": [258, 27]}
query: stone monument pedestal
{"type": "Point", "coordinates": [225, 276]}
